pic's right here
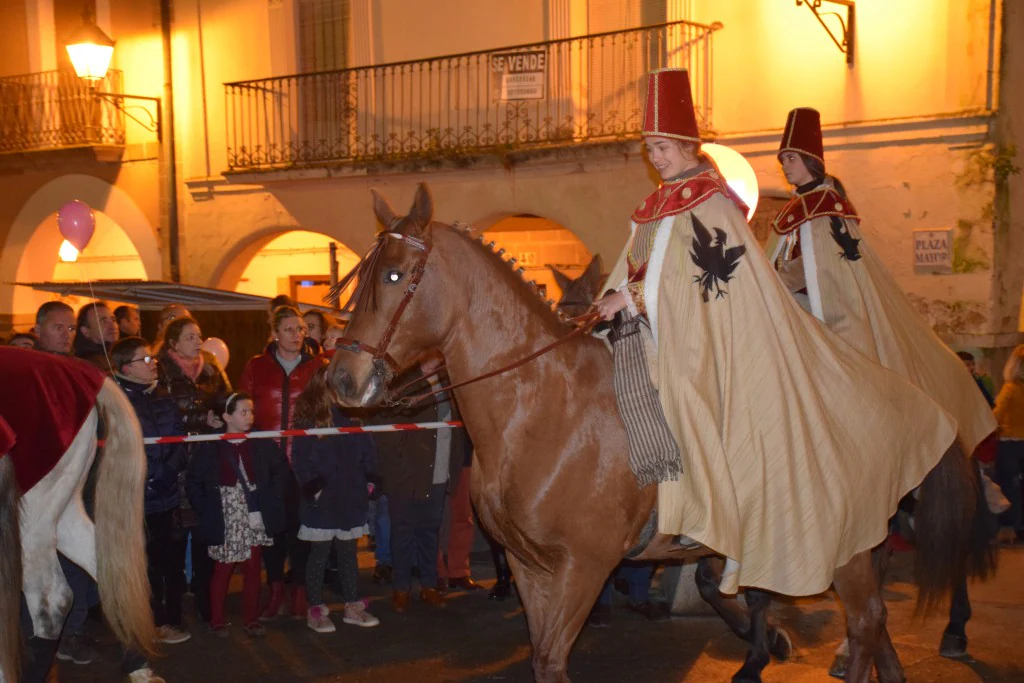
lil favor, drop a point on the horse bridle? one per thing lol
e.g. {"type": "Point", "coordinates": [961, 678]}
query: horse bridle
{"type": "Point", "coordinates": [383, 363]}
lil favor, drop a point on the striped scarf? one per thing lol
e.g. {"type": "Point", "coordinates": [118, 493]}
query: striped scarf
{"type": "Point", "coordinates": [653, 452]}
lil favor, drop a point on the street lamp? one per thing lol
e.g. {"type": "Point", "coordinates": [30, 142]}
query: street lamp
{"type": "Point", "coordinates": [90, 50]}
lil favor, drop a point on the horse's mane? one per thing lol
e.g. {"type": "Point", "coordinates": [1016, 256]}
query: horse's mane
{"type": "Point", "coordinates": [514, 276]}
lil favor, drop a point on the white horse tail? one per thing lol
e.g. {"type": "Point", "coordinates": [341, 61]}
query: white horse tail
{"type": "Point", "coordinates": [10, 572]}
{"type": "Point", "coordinates": [120, 520]}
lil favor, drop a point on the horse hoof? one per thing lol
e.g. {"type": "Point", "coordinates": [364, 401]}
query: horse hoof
{"type": "Point", "coordinates": [838, 668]}
{"type": "Point", "coordinates": [953, 646]}
{"type": "Point", "coordinates": [746, 677]}
{"type": "Point", "coordinates": [782, 646]}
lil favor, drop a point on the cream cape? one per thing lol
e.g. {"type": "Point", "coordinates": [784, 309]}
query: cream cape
{"type": "Point", "coordinates": [860, 301]}
{"type": "Point", "coordinates": [796, 448]}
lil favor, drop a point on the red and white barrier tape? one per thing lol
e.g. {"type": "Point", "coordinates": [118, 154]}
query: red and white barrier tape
{"type": "Point", "coordinates": [321, 431]}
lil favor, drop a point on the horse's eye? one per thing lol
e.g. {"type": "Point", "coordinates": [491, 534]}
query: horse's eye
{"type": "Point", "coordinates": [392, 276]}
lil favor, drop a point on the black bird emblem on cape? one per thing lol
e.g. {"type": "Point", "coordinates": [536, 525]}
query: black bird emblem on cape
{"type": "Point", "coordinates": [846, 241]}
{"type": "Point", "coordinates": [711, 256]}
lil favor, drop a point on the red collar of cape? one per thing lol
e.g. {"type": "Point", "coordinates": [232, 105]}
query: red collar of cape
{"type": "Point", "coordinates": [821, 201]}
{"type": "Point", "coordinates": [677, 196]}
{"type": "Point", "coordinates": [45, 401]}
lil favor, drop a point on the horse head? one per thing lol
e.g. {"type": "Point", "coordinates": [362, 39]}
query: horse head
{"type": "Point", "coordinates": [395, 316]}
{"type": "Point", "coordinates": [578, 295]}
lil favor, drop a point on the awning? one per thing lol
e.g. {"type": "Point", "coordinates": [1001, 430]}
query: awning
{"type": "Point", "coordinates": [155, 294]}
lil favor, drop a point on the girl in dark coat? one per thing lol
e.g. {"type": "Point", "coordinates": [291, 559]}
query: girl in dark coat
{"type": "Point", "coordinates": [236, 488]}
{"type": "Point", "coordinates": [333, 474]}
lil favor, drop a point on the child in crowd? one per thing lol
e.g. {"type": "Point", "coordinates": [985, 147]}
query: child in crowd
{"type": "Point", "coordinates": [334, 474]}
{"type": "Point", "coordinates": [237, 489]}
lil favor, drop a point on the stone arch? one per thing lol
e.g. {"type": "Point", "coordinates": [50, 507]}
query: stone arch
{"type": "Point", "coordinates": [241, 259]}
{"type": "Point", "coordinates": [31, 254]}
{"type": "Point", "coordinates": [538, 243]}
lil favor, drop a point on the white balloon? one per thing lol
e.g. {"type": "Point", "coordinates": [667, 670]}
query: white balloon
{"type": "Point", "coordinates": [219, 349]}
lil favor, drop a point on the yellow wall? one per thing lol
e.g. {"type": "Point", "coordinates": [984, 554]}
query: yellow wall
{"type": "Point", "coordinates": [913, 58]}
{"type": "Point", "coordinates": [414, 29]}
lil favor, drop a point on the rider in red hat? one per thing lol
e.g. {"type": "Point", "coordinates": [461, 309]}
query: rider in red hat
{"type": "Point", "coordinates": [824, 260]}
{"type": "Point", "coordinates": [762, 430]}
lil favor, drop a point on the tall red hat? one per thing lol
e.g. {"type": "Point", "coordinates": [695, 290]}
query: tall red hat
{"type": "Point", "coordinates": [803, 133]}
{"type": "Point", "coordinates": [669, 111]}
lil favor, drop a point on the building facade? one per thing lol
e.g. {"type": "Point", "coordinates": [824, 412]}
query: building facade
{"type": "Point", "coordinates": [522, 117]}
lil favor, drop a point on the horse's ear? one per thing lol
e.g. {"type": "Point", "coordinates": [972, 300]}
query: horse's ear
{"type": "Point", "coordinates": [592, 275]}
{"type": "Point", "coordinates": [422, 211]}
{"type": "Point", "coordinates": [382, 210]}
{"type": "Point", "coordinates": [563, 281]}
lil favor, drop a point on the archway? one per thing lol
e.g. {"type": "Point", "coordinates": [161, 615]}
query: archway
{"type": "Point", "coordinates": [124, 245]}
{"type": "Point", "coordinates": [294, 262]}
{"type": "Point", "coordinates": [538, 244]}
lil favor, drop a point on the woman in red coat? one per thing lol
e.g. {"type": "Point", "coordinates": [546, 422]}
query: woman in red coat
{"type": "Point", "coordinates": [275, 379]}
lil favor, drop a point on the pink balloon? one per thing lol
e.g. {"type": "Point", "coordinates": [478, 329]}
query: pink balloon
{"type": "Point", "coordinates": [219, 349]}
{"type": "Point", "coordinates": [77, 223]}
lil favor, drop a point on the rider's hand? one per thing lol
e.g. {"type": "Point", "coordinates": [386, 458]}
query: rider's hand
{"type": "Point", "coordinates": [611, 304]}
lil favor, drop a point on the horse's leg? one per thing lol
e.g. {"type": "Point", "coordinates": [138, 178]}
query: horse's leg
{"type": "Point", "coordinates": [954, 638]}
{"type": "Point", "coordinates": [47, 595]}
{"type": "Point", "coordinates": [857, 586]}
{"type": "Point", "coordinates": [758, 655]}
{"type": "Point", "coordinates": [46, 592]}
{"type": "Point", "coordinates": [708, 577]}
{"type": "Point", "coordinates": [887, 662]}
{"type": "Point", "coordinates": [557, 602]}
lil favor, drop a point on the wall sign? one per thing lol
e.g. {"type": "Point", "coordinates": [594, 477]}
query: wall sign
{"type": "Point", "coordinates": [933, 251]}
{"type": "Point", "coordinates": [519, 75]}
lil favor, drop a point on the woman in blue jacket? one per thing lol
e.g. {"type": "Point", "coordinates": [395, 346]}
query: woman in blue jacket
{"type": "Point", "coordinates": [334, 473]}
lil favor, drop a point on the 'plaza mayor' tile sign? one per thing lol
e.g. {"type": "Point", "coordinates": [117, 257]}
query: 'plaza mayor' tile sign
{"type": "Point", "coordinates": [933, 251]}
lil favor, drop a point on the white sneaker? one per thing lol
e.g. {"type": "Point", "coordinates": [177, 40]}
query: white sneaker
{"type": "Point", "coordinates": [168, 635]}
{"type": "Point", "coordinates": [145, 675]}
{"type": "Point", "coordinates": [318, 618]}
{"type": "Point", "coordinates": [356, 614]}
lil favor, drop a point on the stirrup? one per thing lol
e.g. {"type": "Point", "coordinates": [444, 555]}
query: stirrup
{"type": "Point", "coordinates": [681, 542]}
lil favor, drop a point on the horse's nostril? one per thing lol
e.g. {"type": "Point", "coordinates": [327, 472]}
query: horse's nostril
{"type": "Point", "coordinates": [344, 384]}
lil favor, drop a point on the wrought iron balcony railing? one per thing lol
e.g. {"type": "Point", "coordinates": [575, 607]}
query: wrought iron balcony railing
{"type": "Point", "coordinates": [57, 110]}
{"type": "Point", "coordinates": [586, 89]}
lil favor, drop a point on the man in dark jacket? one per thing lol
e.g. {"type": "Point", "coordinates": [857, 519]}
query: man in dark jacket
{"type": "Point", "coordinates": [158, 415]}
{"type": "Point", "coordinates": [416, 467]}
{"type": "Point", "coordinates": [97, 331]}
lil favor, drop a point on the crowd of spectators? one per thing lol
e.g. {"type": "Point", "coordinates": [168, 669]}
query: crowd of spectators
{"type": "Point", "coordinates": [294, 508]}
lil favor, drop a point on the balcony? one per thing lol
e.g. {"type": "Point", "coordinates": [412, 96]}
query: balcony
{"type": "Point", "coordinates": [56, 110]}
{"type": "Point", "coordinates": [578, 90]}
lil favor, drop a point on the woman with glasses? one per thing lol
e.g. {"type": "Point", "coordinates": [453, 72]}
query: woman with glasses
{"type": "Point", "coordinates": [275, 379]}
{"type": "Point", "coordinates": [195, 381]}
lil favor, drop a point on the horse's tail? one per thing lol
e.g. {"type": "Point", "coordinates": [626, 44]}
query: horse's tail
{"type": "Point", "coordinates": [10, 572]}
{"type": "Point", "coordinates": [120, 536]}
{"type": "Point", "coordinates": [950, 533]}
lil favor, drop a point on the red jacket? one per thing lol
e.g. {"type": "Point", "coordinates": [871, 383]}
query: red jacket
{"type": "Point", "coordinates": [274, 393]}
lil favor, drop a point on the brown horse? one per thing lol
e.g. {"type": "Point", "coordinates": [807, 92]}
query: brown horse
{"type": "Point", "coordinates": [552, 481]}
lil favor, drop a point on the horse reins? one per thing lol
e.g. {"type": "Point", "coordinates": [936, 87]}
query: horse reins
{"type": "Point", "coordinates": [386, 366]}
{"type": "Point", "coordinates": [586, 324]}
